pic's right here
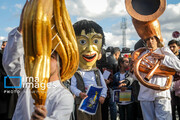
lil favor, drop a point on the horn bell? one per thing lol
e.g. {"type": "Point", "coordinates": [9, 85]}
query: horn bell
{"type": "Point", "coordinates": [145, 15]}
{"type": "Point", "coordinates": [145, 10]}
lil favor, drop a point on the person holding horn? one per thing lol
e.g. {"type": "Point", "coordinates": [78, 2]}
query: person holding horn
{"type": "Point", "coordinates": [154, 65]}
{"type": "Point", "coordinates": [43, 59]}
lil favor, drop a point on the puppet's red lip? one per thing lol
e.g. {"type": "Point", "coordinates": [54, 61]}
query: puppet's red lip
{"type": "Point", "coordinates": [89, 58]}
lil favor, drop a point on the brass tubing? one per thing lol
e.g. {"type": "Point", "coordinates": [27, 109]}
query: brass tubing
{"type": "Point", "coordinates": [151, 73]}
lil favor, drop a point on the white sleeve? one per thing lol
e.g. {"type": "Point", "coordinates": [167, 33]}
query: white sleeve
{"type": "Point", "coordinates": [63, 108]}
{"type": "Point", "coordinates": [170, 60]}
{"type": "Point", "coordinates": [73, 87]}
{"type": "Point", "coordinates": [13, 57]}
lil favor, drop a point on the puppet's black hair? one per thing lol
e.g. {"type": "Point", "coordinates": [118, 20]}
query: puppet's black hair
{"type": "Point", "coordinates": [88, 26]}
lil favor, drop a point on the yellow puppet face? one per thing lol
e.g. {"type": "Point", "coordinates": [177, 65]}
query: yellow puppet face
{"type": "Point", "coordinates": [89, 46]}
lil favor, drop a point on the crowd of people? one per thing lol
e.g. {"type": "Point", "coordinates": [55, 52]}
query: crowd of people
{"type": "Point", "coordinates": [63, 103]}
{"type": "Point", "coordinates": [120, 78]}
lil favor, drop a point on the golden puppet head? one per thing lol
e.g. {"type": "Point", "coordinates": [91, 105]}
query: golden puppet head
{"type": "Point", "coordinates": [47, 28]}
{"type": "Point", "coordinates": [90, 39]}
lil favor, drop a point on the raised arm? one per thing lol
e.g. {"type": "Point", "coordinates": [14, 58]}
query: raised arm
{"type": "Point", "coordinates": [170, 60]}
{"type": "Point", "coordinates": [13, 56]}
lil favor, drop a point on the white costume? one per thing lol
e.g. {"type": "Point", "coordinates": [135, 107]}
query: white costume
{"type": "Point", "coordinates": [89, 79]}
{"type": "Point", "coordinates": [156, 104]}
{"type": "Point", "coordinates": [59, 101]}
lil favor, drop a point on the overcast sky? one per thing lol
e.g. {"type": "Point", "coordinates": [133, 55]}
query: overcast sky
{"type": "Point", "coordinates": [107, 13]}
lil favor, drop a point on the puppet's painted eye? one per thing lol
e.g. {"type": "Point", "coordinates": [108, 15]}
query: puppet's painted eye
{"type": "Point", "coordinates": [82, 42]}
{"type": "Point", "coordinates": [95, 41]}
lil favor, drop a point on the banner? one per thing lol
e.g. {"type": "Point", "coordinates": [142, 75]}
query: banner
{"type": "Point", "coordinates": [122, 97]}
{"type": "Point", "coordinates": [89, 105]}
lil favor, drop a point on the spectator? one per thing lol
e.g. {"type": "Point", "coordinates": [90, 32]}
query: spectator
{"type": "Point", "coordinates": [3, 45]}
{"type": "Point", "coordinates": [103, 65]}
{"type": "Point", "coordinates": [113, 59]}
{"type": "Point", "coordinates": [125, 107]}
{"type": "Point", "coordinates": [175, 100]}
{"type": "Point", "coordinates": [174, 47]}
{"type": "Point", "coordinates": [7, 100]}
{"type": "Point", "coordinates": [140, 43]}
{"type": "Point", "coordinates": [135, 92]}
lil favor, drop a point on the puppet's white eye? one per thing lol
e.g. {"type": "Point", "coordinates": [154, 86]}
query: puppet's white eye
{"type": "Point", "coordinates": [82, 42]}
{"type": "Point", "coordinates": [95, 41]}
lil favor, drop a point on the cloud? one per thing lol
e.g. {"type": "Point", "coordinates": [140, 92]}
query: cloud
{"type": "Point", "coordinates": [2, 38]}
{"type": "Point", "coordinates": [3, 7]}
{"type": "Point", "coordinates": [109, 14]}
{"type": "Point", "coordinates": [170, 22]}
{"type": "Point", "coordinates": [115, 36]}
{"type": "Point", "coordinates": [171, 14]}
{"type": "Point", "coordinates": [17, 11]}
{"type": "Point", "coordinates": [102, 10]}
{"type": "Point", "coordinates": [8, 29]}
{"type": "Point", "coordinates": [115, 10]}
{"type": "Point", "coordinates": [117, 41]}
{"type": "Point", "coordinates": [113, 40]}
{"type": "Point", "coordinates": [96, 10]}
{"type": "Point", "coordinates": [19, 6]}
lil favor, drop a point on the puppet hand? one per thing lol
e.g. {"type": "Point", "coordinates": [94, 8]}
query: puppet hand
{"type": "Point", "coordinates": [39, 113]}
{"type": "Point", "coordinates": [101, 100]}
{"type": "Point", "coordinates": [82, 95]}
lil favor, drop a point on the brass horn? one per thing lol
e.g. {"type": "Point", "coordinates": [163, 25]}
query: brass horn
{"type": "Point", "coordinates": [145, 15]}
{"type": "Point", "coordinates": [151, 69]}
